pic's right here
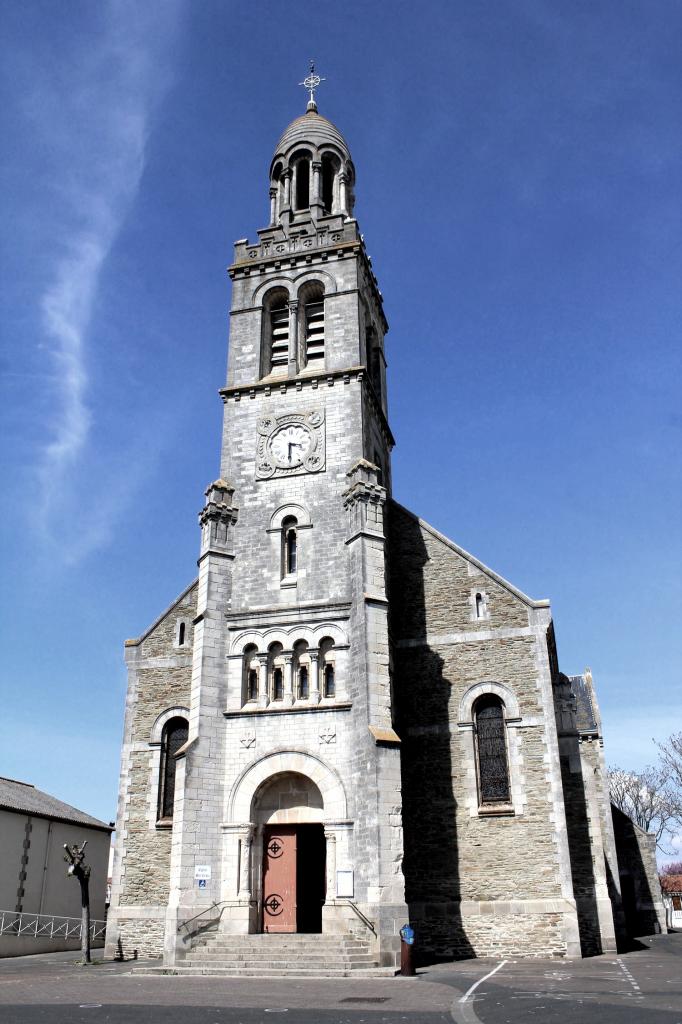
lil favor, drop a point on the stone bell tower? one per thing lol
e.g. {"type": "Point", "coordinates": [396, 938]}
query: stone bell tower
{"type": "Point", "coordinates": [287, 800]}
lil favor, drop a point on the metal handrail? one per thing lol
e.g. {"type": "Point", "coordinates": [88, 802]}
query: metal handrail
{"type": "Point", "coordinates": [183, 924]}
{"type": "Point", "coordinates": [365, 920]}
{"type": "Point", "coordinates": [46, 926]}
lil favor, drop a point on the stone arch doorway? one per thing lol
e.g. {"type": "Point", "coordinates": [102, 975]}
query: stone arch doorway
{"type": "Point", "coordinates": [288, 813]}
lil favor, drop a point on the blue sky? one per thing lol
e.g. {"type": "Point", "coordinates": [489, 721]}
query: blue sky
{"type": "Point", "coordinates": [518, 173]}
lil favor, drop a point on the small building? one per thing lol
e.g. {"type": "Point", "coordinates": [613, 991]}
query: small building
{"type": "Point", "coordinates": [40, 907]}
{"type": "Point", "coordinates": [671, 887]}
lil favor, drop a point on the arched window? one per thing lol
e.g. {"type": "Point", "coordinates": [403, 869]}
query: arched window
{"type": "Point", "coordinates": [301, 670]}
{"type": "Point", "coordinates": [276, 671]}
{"type": "Point", "coordinates": [303, 682]}
{"type": "Point", "coordinates": [491, 751]}
{"type": "Point", "coordinates": [275, 342]}
{"type": "Point", "coordinates": [289, 546]}
{"type": "Point", "coordinates": [252, 684]}
{"type": "Point", "coordinates": [302, 184]}
{"type": "Point", "coordinates": [251, 669]}
{"type": "Point", "coordinates": [329, 170]}
{"type": "Point", "coordinates": [328, 667]}
{"type": "Point", "coordinates": [480, 606]}
{"type": "Point", "coordinates": [173, 737]}
{"type": "Point", "coordinates": [181, 634]}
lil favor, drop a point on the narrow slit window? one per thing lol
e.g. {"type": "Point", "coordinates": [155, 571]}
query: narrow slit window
{"type": "Point", "coordinates": [303, 686]}
{"type": "Point", "coordinates": [182, 629]}
{"type": "Point", "coordinates": [289, 555]}
{"type": "Point", "coordinates": [279, 327]}
{"type": "Point", "coordinates": [277, 684]}
{"type": "Point", "coordinates": [329, 680]}
{"type": "Point", "coordinates": [491, 749]}
{"type": "Point", "coordinates": [480, 606]}
{"type": "Point", "coordinates": [314, 333]}
{"type": "Point", "coordinates": [291, 545]}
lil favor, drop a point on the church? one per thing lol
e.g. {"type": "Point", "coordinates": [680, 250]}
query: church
{"type": "Point", "coordinates": [346, 722]}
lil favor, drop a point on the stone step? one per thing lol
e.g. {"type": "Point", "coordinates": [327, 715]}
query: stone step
{"type": "Point", "coordinates": [265, 971]}
{"type": "Point", "coordinates": [237, 948]}
{"type": "Point", "coordinates": [281, 961]}
{"type": "Point", "coordinates": [266, 947]}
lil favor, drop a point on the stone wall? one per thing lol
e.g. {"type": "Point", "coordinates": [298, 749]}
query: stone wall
{"type": "Point", "coordinates": [159, 673]}
{"type": "Point", "coordinates": [476, 883]}
{"type": "Point", "coordinates": [640, 886]}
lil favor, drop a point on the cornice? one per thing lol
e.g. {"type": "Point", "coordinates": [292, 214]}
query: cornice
{"type": "Point", "coordinates": [281, 385]}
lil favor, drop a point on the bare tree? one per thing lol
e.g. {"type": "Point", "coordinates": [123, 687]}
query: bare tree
{"type": "Point", "coordinates": [671, 758]}
{"type": "Point", "coordinates": [74, 858]}
{"type": "Point", "coordinates": [650, 798]}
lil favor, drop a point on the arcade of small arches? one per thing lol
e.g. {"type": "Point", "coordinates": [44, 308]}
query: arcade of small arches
{"type": "Point", "coordinates": [287, 675]}
{"type": "Point", "coordinates": [307, 180]}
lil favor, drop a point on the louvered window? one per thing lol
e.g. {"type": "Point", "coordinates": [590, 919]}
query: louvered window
{"type": "Point", "coordinates": [314, 333]}
{"type": "Point", "coordinates": [493, 773]}
{"type": "Point", "coordinates": [279, 327]}
{"type": "Point", "coordinates": [174, 736]}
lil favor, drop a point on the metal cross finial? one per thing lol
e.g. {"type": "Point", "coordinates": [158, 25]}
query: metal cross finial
{"type": "Point", "coordinates": [311, 82]}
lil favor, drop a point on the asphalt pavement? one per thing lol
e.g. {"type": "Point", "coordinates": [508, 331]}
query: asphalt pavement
{"type": "Point", "coordinates": [641, 987]}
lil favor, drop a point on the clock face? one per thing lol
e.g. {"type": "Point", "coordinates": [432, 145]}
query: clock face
{"type": "Point", "coordinates": [290, 444]}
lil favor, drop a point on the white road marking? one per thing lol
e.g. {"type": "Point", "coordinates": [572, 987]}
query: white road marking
{"type": "Point", "coordinates": [626, 972]}
{"type": "Point", "coordinates": [481, 980]}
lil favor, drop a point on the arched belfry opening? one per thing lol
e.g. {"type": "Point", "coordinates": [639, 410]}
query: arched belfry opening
{"type": "Point", "coordinates": [288, 813]}
{"type": "Point", "coordinates": [312, 174]}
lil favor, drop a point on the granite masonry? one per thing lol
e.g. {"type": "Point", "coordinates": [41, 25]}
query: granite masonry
{"type": "Point", "coordinates": [347, 722]}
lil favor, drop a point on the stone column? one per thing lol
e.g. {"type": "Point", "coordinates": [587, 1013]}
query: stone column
{"type": "Point", "coordinates": [316, 204]}
{"type": "Point", "coordinates": [293, 338]}
{"type": "Point", "coordinates": [314, 684]}
{"type": "Point", "coordinates": [343, 193]}
{"type": "Point", "coordinates": [288, 680]}
{"type": "Point", "coordinates": [292, 193]}
{"type": "Point", "coordinates": [330, 836]}
{"type": "Point", "coordinates": [263, 695]}
{"type": "Point", "coordinates": [246, 841]}
{"type": "Point", "coordinates": [285, 209]}
{"type": "Point", "coordinates": [273, 205]}
{"type": "Point", "coordinates": [317, 167]}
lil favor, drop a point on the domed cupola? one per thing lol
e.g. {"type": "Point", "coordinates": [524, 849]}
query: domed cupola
{"type": "Point", "coordinates": [311, 174]}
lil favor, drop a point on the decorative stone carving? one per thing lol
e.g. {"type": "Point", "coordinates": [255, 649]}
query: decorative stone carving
{"type": "Point", "coordinates": [290, 444]}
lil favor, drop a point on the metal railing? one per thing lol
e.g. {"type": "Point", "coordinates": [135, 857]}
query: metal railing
{"type": "Point", "coordinates": [46, 926]}
{"type": "Point", "coordinates": [365, 920]}
{"type": "Point", "coordinates": [206, 910]}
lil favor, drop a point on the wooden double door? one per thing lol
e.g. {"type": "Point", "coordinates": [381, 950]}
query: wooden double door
{"type": "Point", "coordinates": [293, 878]}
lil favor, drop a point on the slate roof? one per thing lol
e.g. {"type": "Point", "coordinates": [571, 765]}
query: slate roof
{"type": "Point", "coordinates": [26, 799]}
{"type": "Point", "coordinates": [585, 712]}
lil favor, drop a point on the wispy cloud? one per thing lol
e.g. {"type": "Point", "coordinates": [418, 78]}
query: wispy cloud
{"type": "Point", "coordinates": [95, 119]}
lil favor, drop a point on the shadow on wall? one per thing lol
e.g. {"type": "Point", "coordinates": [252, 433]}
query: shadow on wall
{"type": "Point", "coordinates": [580, 852]}
{"type": "Point", "coordinates": [421, 699]}
{"type": "Point", "coordinates": [636, 852]}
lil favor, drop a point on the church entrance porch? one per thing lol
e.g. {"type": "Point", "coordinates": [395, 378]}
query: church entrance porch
{"type": "Point", "coordinates": [293, 878]}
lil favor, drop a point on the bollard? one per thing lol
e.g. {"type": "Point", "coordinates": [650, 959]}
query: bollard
{"type": "Point", "coordinates": [406, 946]}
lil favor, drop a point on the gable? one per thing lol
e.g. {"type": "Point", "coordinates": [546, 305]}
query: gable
{"type": "Point", "coordinates": [433, 583]}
